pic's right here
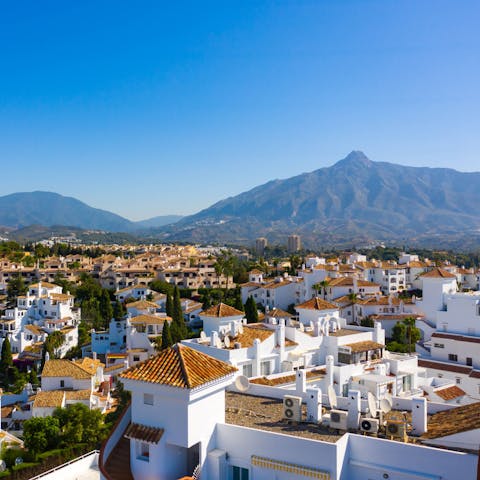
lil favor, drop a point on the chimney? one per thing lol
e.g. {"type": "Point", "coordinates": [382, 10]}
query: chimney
{"type": "Point", "coordinates": [213, 339]}
{"type": "Point", "coordinates": [301, 382]}
{"type": "Point", "coordinates": [354, 407]}
{"type": "Point", "coordinates": [281, 333]}
{"type": "Point", "coordinates": [314, 405]}
{"type": "Point", "coordinates": [316, 328]}
{"type": "Point", "coordinates": [329, 364]}
{"type": "Point", "coordinates": [419, 415]}
{"type": "Point", "coordinates": [94, 355]}
{"type": "Point", "coordinates": [377, 332]}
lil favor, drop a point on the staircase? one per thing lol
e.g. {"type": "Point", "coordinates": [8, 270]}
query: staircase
{"type": "Point", "coordinates": [118, 463]}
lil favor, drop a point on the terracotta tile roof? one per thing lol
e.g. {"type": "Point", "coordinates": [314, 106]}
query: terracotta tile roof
{"type": "Point", "coordinates": [455, 420]}
{"type": "Point", "coordinates": [34, 329]}
{"type": "Point", "coordinates": [396, 317]}
{"type": "Point", "coordinates": [64, 368]}
{"type": "Point", "coordinates": [89, 364]}
{"type": "Point", "coordinates": [135, 431]}
{"type": "Point", "coordinates": [44, 285]}
{"type": "Point", "coordinates": [278, 313]}
{"type": "Point", "coordinates": [383, 300]}
{"type": "Point", "coordinates": [221, 310]}
{"type": "Point", "coordinates": [149, 320]}
{"type": "Point", "coordinates": [450, 393]}
{"type": "Point", "coordinates": [316, 303]}
{"type": "Point", "coordinates": [255, 271]}
{"type": "Point", "coordinates": [250, 333]}
{"type": "Point", "coordinates": [273, 285]}
{"type": "Point", "coordinates": [453, 336]}
{"type": "Point", "coordinates": [444, 366]}
{"type": "Point", "coordinates": [364, 346]}
{"type": "Point", "coordinates": [60, 297]}
{"type": "Point", "coordinates": [438, 273]}
{"type": "Point", "coordinates": [53, 399]}
{"type": "Point", "coordinates": [348, 282]}
{"type": "Point", "coordinates": [141, 305]}
{"type": "Point", "coordinates": [475, 374]}
{"type": "Point", "coordinates": [250, 284]}
{"type": "Point", "coordinates": [77, 394]}
{"type": "Point", "coordinates": [179, 366]}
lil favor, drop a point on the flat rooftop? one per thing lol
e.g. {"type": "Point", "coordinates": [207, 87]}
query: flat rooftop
{"type": "Point", "coordinates": [267, 414]}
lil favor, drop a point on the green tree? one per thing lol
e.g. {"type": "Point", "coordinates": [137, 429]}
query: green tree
{"type": "Point", "coordinates": [169, 305]}
{"type": "Point", "coordinates": [41, 433]}
{"type": "Point", "coordinates": [119, 311]}
{"type": "Point", "coordinates": [53, 342]}
{"type": "Point", "coordinates": [166, 337]}
{"type": "Point", "coordinates": [178, 328]}
{"type": "Point", "coordinates": [413, 333]}
{"type": "Point", "coordinates": [16, 287]}
{"type": "Point", "coordinates": [91, 313]}
{"type": "Point", "coordinates": [251, 310]}
{"type": "Point", "coordinates": [105, 308]}
{"type": "Point", "coordinates": [238, 300]}
{"type": "Point", "coordinates": [322, 287]}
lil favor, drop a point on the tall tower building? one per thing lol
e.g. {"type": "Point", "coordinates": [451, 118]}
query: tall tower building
{"type": "Point", "coordinates": [294, 243]}
{"type": "Point", "coordinates": [260, 244]}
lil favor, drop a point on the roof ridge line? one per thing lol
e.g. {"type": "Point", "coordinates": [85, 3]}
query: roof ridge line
{"type": "Point", "coordinates": [183, 365]}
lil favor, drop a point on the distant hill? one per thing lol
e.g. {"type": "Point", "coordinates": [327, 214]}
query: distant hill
{"type": "Point", "coordinates": [47, 208]}
{"type": "Point", "coordinates": [355, 200]}
{"type": "Point", "coordinates": [20, 210]}
{"type": "Point", "coordinates": [158, 221]}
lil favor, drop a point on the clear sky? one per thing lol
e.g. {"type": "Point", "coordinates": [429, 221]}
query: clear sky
{"type": "Point", "coordinates": [150, 108]}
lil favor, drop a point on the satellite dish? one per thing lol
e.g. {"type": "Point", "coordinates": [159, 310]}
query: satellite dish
{"type": "Point", "coordinates": [301, 327]}
{"type": "Point", "coordinates": [385, 405]}
{"type": "Point", "coordinates": [3, 466]}
{"type": "Point", "coordinates": [242, 384]}
{"type": "Point", "coordinates": [203, 336]}
{"type": "Point", "coordinates": [226, 340]}
{"type": "Point", "coordinates": [18, 460]}
{"type": "Point", "coordinates": [388, 396]}
{"type": "Point", "coordinates": [240, 329]}
{"type": "Point", "coordinates": [332, 397]}
{"type": "Point", "coordinates": [372, 404]}
{"type": "Point", "coordinates": [218, 343]}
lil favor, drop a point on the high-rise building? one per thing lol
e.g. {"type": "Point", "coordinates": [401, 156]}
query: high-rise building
{"type": "Point", "coordinates": [294, 243]}
{"type": "Point", "coordinates": [260, 244]}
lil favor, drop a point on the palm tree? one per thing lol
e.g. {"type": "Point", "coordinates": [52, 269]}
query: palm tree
{"type": "Point", "coordinates": [411, 328]}
{"type": "Point", "coordinates": [323, 285]}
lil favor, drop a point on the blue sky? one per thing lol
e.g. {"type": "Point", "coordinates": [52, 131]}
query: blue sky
{"type": "Point", "coordinates": [150, 108]}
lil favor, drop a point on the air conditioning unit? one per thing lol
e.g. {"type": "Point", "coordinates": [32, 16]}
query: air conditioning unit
{"type": "Point", "coordinates": [338, 419]}
{"type": "Point", "coordinates": [369, 425]}
{"type": "Point", "coordinates": [396, 428]}
{"type": "Point", "coordinates": [292, 408]}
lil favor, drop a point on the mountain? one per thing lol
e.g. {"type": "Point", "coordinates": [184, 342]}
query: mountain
{"type": "Point", "coordinates": [159, 221]}
{"type": "Point", "coordinates": [355, 200]}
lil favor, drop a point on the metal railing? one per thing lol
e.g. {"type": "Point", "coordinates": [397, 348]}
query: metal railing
{"type": "Point", "coordinates": [63, 465]}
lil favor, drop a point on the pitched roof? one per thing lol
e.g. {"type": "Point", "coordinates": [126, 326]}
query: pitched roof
{"type": "Point", "coordinates": [316, 303]}
{"type": "Point", "coordinates": [89, 364]}
{"type": "Point", "coordinates": [221, 310]}
{"type": "Point", "coordinates": [455, 420]}
{"type": "Point", "coordinates": [136, 431]}
{"type": "Point", "coordinates": [149, 320]}
{"type": "Point", "coordinates": [141, 304]}
{"type": "Point", "coordinates": [64, 368]}
{"type": "Point", "coordinates": [438, 273]}
{"type": "Point", "coordinates": [348, 282]}
{"type": "Point", "coordinates": [250, 333]}
{"type": "Point", "coordinates": [364, 346]}
{"type": "Point", "coordinates": [49, 399]}
{"type": "Point", "coordinates": [78, 394]}
{"type": "Point", "coordinates": [278, 313]}
{"type": "Point", "coordinates": [179, 366]}
{"type": "Point", "coordinates": [44, 285]}
{"type": "Point", "coordinates": [449, 367]}
{"type": "Point", "coordinates": [450, 393]}
{"type": "Point", "coordinates": [455, 336]}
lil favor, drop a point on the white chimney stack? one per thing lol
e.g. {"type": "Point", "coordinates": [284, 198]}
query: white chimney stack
{"type": "Point", "coordinates": [314, 405]}
{"type": "Point", "coordinates": [301, 382]}
{"type": "Point", "coordinates": [419, 415]}
{"type": "Point", "coordinates": [329, 364]}
{"type": "Point", "coordinates": [354, 407]}
{"type": "Point", "coordinates": [213, 339]}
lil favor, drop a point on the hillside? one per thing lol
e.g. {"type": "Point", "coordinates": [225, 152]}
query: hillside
{"type": "Point", "coordinates": [354, 200]}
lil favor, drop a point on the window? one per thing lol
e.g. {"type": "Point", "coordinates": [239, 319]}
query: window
{"type": "Point", "coordinates": [453, 357]}
{"type": "Point", "coordinates": [469, 361]}
{"type": "Point", "coordinates": [265, 368]}
{"type": "Point", "coordinates": [439, 345]}
{"type": "Point", "coordinates": [62, 383]}
{"type": "Point", "coordinates": [136, 358]}
{"type": "Point", "coordinates": [148, 399]}
{"type": "Point", "coordinates": [239, 473]}
{"type": "Point", "coordinates": [143, 451]}
{"type": "Point", "coordinates": [458, 380]}
{"type": "Point", "coordinates": [247, 370]}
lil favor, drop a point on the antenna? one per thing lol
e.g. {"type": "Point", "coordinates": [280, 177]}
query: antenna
{"type": "Point", "coordinates": [226, 340]}
{"type": "Point", "coordinates": [332, 397]}
{"type": "Point", "coordinates": [242, 384]}
{"type": "Point", "coordinates": [372, 404]}
{"type": "Point", "coordinates": [203, 336]}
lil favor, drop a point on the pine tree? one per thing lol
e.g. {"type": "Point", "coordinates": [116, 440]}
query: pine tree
{"type": "Point", "coordinates": [6, 360]}
{"type": "Point", "coordinates": [166, 336]}
{"type": "Point", "coordinates": [178, 328]}
{"type": "Point", "coordinates": [119, 311]}
{"type": "Point", "coordinates": [105, 307]}
{"type": "Point", "coordinates": [169, 306]}
{"type": "Point", "coordinates": [251, 311]}
{"type": "Point", "coordinates": [238, 301]}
